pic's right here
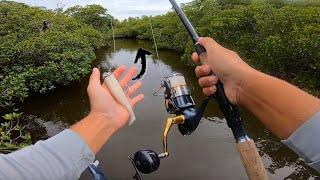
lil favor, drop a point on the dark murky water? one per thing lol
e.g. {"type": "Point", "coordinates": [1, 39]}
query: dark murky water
{"type": "Point", "coordinates": [209, 153]}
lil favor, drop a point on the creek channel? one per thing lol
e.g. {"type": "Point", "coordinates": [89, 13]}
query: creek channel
{"type": "Point", "coordinates": [209, 153]}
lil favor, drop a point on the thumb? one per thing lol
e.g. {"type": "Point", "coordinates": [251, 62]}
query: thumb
{"type": "Point", "coordinates": [207, 42]}
{"type": "Point", "coordinates": [95, 78]}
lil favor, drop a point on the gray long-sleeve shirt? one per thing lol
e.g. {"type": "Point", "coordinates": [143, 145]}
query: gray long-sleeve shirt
{"type": "Point", "coordinates": [64, 156]}
{"type": "Point", "coordinates": [304, 141]}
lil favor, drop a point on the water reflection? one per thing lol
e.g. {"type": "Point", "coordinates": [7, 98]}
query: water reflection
{"type": "Point", "coordinates": [207, 154]}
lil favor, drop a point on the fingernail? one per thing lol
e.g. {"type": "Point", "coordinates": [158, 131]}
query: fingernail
{"type": "Point", "coordinates": [95, 70]}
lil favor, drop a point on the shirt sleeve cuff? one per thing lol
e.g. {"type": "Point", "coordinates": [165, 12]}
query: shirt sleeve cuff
{"type": "Point", "coordinates": [304, 141]}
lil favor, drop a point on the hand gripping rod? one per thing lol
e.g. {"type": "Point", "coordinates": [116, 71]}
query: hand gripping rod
{"type": "Point", "coordinates": [246, 147]}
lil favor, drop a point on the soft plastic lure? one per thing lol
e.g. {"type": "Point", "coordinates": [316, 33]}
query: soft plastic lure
{"type": "Point", "coordinates": [118, 93]}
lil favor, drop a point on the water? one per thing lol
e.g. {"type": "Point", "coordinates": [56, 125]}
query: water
{"type": "Point", "coordinates": [209, 153]}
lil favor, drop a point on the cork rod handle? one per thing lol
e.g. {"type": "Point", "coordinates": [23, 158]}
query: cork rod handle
{"type": "Point", "coordinates": [252, 161]}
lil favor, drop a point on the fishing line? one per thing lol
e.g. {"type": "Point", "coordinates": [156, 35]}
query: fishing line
{"type": "Point", "coordinates": [113, 38]}
{"type": "Point", "coordinates": [156, 47]}
{"type": "Point", "coordinates": [154, 39]}
{"type": "Point", "coordinates": [156, 93]}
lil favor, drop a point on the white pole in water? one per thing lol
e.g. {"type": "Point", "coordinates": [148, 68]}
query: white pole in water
{"type": "Point", "coordinates": [154, 39]}
{"type": "Point", "coordinates": [114, 42]}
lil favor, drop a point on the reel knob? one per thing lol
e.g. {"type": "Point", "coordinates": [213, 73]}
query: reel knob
{"type": "Point", "coordinates": [146, 161]}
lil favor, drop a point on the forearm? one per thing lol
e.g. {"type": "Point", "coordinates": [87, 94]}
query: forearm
{"type": "Point", "coordinates": [95, 130]}
{"type": "Point", "coordinates": [280, 106]}
{"type": "Point", "coordinates": [64, 156]}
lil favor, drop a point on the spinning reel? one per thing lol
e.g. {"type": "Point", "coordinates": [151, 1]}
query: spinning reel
{"type": "Point", "coordinates": [178, 101]}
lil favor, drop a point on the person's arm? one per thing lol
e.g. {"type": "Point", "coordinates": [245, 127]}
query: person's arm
{"type": "Point", "coordinates": [68, 154]}
{"type": "Point", "coordinates": [280, 106]}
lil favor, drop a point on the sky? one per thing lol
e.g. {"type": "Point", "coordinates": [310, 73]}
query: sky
{"type": "Point", "coordinates": [120, 9]}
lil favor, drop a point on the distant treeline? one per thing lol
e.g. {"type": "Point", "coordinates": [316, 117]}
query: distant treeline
{"type": "Point", "coordinates": [41, 49]}
{"type": "Point", "coordinates": [276, 36]}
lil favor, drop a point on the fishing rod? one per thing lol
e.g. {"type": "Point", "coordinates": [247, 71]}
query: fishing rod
{"type": "Point", "coordinates": [246, 146]}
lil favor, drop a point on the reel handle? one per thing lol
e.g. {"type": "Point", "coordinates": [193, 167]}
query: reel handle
{"type": "Point", "coordinates": [148, 161]}
{"type": "Point", "coordinates": [170, 121]}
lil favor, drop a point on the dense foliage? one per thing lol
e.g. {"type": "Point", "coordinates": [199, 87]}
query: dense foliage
{"type": "Point", "coordinates": [94, 15]}
{"type": "Point", "coordinates": [281, 37]}
{"type": "Point", "coordinates": [13, 133]}
{"type": "Point", "coordinates": [34, 59]}
{"type": "Point", "coordinates": [41, 49]}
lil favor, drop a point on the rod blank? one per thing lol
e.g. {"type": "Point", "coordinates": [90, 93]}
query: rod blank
{"type": "Point", "coordinates": [192, 32]}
